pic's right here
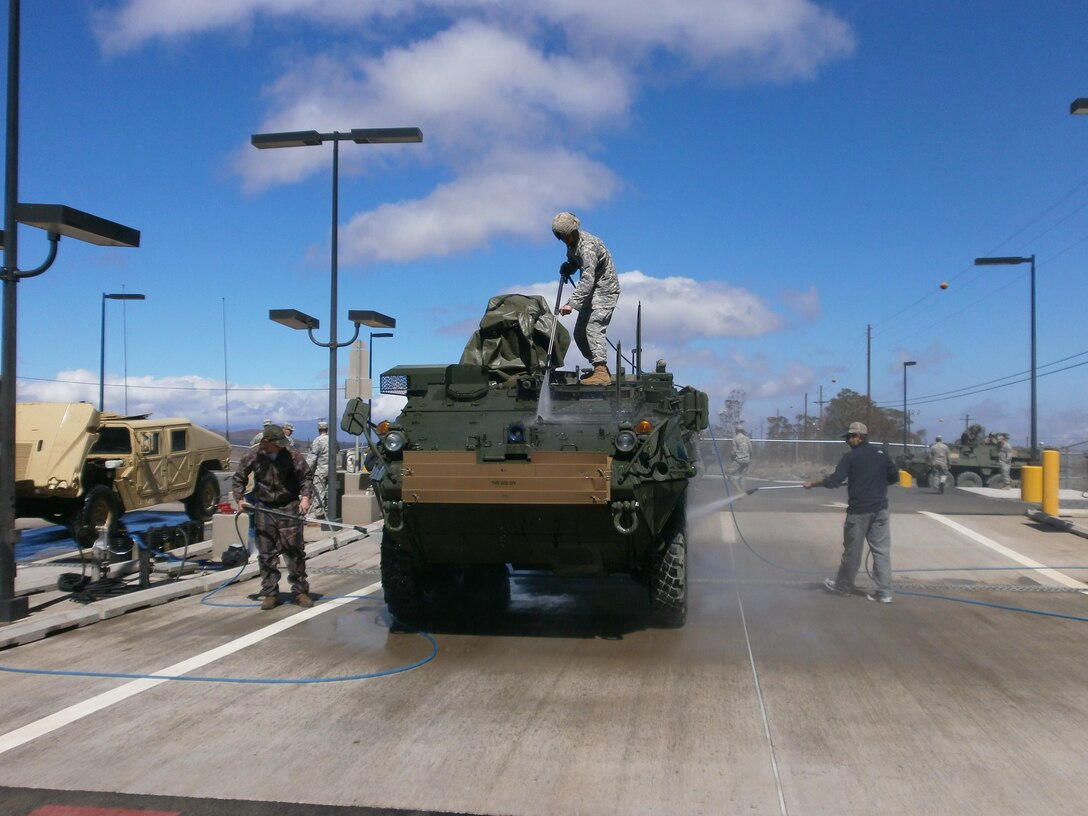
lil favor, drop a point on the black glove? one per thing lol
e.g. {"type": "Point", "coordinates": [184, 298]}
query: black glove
{"type": "Point", "coordinates": [567, 270]}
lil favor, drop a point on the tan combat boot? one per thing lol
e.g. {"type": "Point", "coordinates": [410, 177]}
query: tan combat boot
{"type": "Point", "coordinates": [600, 376]}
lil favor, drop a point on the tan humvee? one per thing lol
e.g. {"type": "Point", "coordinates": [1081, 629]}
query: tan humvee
{"type": "Point", "coordinates": [80, 468]}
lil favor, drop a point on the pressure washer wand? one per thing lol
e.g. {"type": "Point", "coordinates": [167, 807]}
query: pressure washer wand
{"type": "Point", "coordinates": [555, 327]}
{"type": "Point", "coordinates": [271, 512]}
{"type": "Point", "coordinates": [752, 490]}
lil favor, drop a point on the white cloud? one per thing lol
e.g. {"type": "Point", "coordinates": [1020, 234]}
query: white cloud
{"type": "Point", "coordinates": [806, 304]}
{"type": "Point", "coordinates": [495, 77]}
{"type": "Point", "coordinates": [510, 194]}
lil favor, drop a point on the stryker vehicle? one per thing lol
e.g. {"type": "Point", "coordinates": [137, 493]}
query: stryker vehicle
{"type": "Point", "coordinates": [83, 469]}
{"type": "Point", "coordinates": [972, 461]}
{"type": "Point", "coordinates": [501, 461]}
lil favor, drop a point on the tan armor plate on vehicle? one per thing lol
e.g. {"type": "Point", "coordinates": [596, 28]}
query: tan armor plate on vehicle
{"type": "Point", "coordinates": [552, 477]}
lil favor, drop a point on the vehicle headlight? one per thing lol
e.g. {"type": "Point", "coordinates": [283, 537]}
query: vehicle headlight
{"type": "Point", "coordinates": [626, 441]}
{"type": "Point", "coordinates": [394, 441]}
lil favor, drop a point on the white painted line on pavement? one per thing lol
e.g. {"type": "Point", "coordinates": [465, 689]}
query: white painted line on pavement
{"type": "Point", "coordinates": [38, 728]}
{"type": "Point", "coordinates": [1042, 569]}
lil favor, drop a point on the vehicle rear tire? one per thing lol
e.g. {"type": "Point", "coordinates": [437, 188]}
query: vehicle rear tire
{"type": "Point", "coordinates": [201, 506]}
{"type": "Point", "coordinates": [100, 508]}
{"type": "Point", "coordinates": [997, 480]}
{"type": "Point", "coordinates": [968, 479]}
{"type": "Point", "coordinates": [668, 575]}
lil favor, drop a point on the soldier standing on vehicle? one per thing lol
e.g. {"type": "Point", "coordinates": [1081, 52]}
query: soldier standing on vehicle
{"type": "Point", "coordinates": [256, 440]}
{"type": "Point", "coordinates": [742, 457]}
{"type": "Point", "coordinates": [867, 471]}
{"type": "Point", "coordinates": [595, 296]}
{"type": "Point", "coordinates": [1004, 460]}
{"type": "Point", "coordinates": [281, 484]}
{"type": "Point", "coordinates": [938, 463]}
{"type": "Point", "coordinates": [318, 460]}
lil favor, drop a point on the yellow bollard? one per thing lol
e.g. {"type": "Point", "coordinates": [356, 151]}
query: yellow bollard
{"type": "Point", "coordinates": [1051, 465]}
{"type": "Point", "coordinates": [1031, 483]}
{"type": "Point", "coordinates": [905, 479]}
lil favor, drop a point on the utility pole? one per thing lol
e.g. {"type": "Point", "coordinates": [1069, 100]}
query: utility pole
{"type": "Point", "coordinates": [966, 421]}
{"type": "Point", "coordinates": [868, 375]}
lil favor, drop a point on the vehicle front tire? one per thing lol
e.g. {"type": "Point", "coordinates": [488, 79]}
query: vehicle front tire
{"type": "Point", "coordinates": [401, 584]}
{"type": "Point", "coordinates": [201, 506]}
{"type": "Point", "coordinates": [668, 575]}
{"type": "Point", "coordinates": [100, 508]}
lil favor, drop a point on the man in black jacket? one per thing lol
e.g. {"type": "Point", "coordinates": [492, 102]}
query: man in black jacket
{"type": "Point", "coordinates": [867, 471]}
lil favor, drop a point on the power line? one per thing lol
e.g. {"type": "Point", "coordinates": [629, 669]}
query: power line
{"type": "Point", "coordinates": [171, 387]}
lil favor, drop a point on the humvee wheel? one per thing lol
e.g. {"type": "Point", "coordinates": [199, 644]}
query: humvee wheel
{"type": "Point", "coordinates": [668, 577]}
{"type": "Point", "coordinates": [968, 479]}
{"type": "Point", "coordinates": [202, 504]}
{"type": "Point", "coordinates": [401, 583]}
{"type": "Point", "coordinates": [100, 508]}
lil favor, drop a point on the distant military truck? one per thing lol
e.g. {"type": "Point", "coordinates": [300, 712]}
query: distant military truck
{"type": "Point", "coordinates": [83, 469]}
{"type": "Point", "coordinates": [972, 460]}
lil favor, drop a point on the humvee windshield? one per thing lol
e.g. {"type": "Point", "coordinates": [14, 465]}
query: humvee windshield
{"type": "Point", "coordinates": [113, 440]}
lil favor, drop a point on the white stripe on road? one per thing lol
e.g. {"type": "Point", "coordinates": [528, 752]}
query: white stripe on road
{"type": "Point", "coordinates": [21, 736]}
{"type": "Point", "coordinates": [1042, 569]}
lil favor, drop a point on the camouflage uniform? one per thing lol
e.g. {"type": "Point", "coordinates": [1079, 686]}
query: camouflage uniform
{"type": "Point", "coordinates": [595, 296]}
{"type": "Point", "coordinates": [939, 461]}
{"type": "Point", "coordinates": [279, 482]}
{"type": "Point", "coordinates": [318, 460]}
{"type": "Point", "coordinates": [1004, 460]}
{"type": "Point", "coordinates": [742, 457]}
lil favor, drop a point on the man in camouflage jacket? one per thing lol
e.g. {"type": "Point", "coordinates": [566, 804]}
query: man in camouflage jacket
{"type": "Point", "coordinates": [282, 483]}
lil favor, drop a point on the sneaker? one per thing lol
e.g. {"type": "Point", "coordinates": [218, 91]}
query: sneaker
{"type": "Point", "coordinates": [302, 599]}
{"type": "Point", "coordinates": [269, 602]}
{"type": "Point", "coordinates": [879, 597]}
{"type": "Point", "coordinates": [835, 589]}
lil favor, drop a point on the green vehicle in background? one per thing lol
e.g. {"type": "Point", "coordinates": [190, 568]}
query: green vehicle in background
{"type": "Point", "coordinates": [972, 460]}
{"type": "Point", "coordinates": [501, 461]}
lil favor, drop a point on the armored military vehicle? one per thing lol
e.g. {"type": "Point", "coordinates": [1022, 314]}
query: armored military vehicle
{"type": "Point", "coordinates": [502, 459]}
{"type": "Point", "coordinates": [972, 460]}
{"type": "Point", "coordinates": [82, 469]}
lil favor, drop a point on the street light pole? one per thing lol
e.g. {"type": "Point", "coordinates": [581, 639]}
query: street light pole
{"type": "Point", "coordinates": [102, 353]}
{"type": "Point", "coordinates": [906, 420]}
{"type": "Point", "coordinates": [310, 138]}
{"type": "Point", "coordinates": [1034, 403]}
{"type": "Point", "coordinates": [56, 220]}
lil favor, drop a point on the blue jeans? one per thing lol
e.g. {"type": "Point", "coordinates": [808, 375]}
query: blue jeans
{"type": "Point", "coordinates": [859, 528]}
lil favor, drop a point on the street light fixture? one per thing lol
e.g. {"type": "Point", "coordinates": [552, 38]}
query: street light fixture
{"type": "Point", "coordinates": [906, 416]}
{"type": "Point", "coordinates": [57, 220]}
{"type": "Point", "coordinates": [1079, 105]}
{"type": "Point", "coordinates": [308, 138]}
{"type": "Point", "coordinates": [1008, 261]}
{"type": "Point", "coordinates": [102, 357]}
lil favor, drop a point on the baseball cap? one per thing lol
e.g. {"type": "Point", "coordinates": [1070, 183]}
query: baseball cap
{"type": "Point", "coordinates": [856, 428]}
{"type": "Point", "coordinates": [274, 433]}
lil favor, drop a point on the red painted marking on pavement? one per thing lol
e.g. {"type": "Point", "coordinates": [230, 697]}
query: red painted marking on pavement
{"type": "Point", "coordinates": [80, 810]}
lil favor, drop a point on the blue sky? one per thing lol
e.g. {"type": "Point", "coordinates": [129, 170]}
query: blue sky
{"type": "Point", "coordinates": [772, 178]}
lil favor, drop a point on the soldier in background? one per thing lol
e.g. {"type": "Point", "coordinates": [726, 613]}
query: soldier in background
{"type": "Point", "coordinates": [256, 440]}
{"type": "Point", "coordinates": [938, 463]}
{"type": "Point", "coordinates": [289, 432]}
{"type": "Point", "coordinates": [595, 296]}
{"type": "Point", "coordinates": [318, 460]}
{"type": "Point", "coordinates": [283, 485]}
{"type": "Point", "coordinates": [1004, 460]}
{"type": "Point", "coordinates": [742, 457]}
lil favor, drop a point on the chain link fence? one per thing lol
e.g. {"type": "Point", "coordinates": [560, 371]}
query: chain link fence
{"type": "Point", "coordinates": [798, 459]}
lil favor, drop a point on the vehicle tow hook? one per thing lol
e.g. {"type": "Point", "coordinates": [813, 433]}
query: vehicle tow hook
{"type": "Point", "coordinates": [621, 509]}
